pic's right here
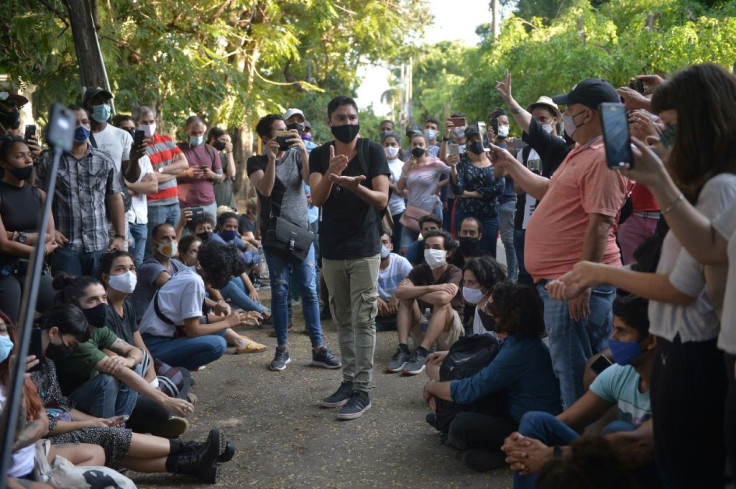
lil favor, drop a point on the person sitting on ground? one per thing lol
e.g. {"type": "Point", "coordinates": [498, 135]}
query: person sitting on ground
{"type": "Point", "coordinates": [119, 277]}
{"type": "Point", "coordinates": [433, 287]}
{"type": "Point", "coordinates": [227, 234]}
{"type": "Point", "coordinates": [542, 436]}
{"type": "Point", "coordinates": [469, 239]}
{"type": "Point", "coordinates": [480, 275]}
{"type": "Point", "coordinates": [522, 367]}
{"type": "Point", "coordinates": [391, 272]}
{"type": "Point", "coordinates": [103, 374]}
{"type": "Point", "coordinates": [171, 326]}
{"type": "Point", "coordinates": [64, 327]}
{"type": "Point", "coordinates": [415, 251]}
{"type": "Point", "coordinates": [248, 223]}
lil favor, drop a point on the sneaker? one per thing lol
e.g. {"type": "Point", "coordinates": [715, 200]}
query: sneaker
{"type": "Point", "coordinates": [358, 403]}
{"type": "Point", "coordinates": [340, 397]}
{"type": "Point", "coordinates": [398, 361]}
{"type": "Point", "coordinates": [415, 365]}
{"type": "Point", "coordinates": [325, 358]}
{"type": "Point", "coordinates": [171, 428]}
{"type": "Point", "coordinates": [280, 360]}
{"type": "Point", "coordinates": [481, 460]}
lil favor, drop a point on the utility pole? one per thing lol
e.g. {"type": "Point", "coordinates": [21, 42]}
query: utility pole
{"type": "Point", "coordinates": [496, 18]}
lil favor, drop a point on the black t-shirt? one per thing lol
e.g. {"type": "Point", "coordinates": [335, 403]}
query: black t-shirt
{"type": "Point", "coordinates": [350, 227]}
{"type": "Point", "coordinates": [125, 326]}
{"type": "Point", "coordinates": [20, 208]}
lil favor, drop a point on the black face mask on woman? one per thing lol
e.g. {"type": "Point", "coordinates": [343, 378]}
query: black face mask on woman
{"type": "Point", "coordinates": [475, 147]}
{"type": "Point", "coordinates": [22, 173]}
{"type": "Point", "coordinates": [58, 352]}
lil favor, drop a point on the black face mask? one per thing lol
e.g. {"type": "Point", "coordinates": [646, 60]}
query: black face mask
{"type": "Point", "coordinates": [22, 173]}
{"type": "Point", "coordinates": [475, 147]}
{"type": "Point", "coordinates": [219, 145]}
{"type": "Point", "coordinates": [296, 125]}
{"type": "Point", "coordinates": [205, 236]}
{"type": "Point", "coordinates": [58, 352]}
{"type": "Point", "coordinates": [10, 120]}
{"type": "Point", "coordinates": [345, 133]}
{"type": "Point", "coordinates": [488, 322]}
{"type": "Point", "coordinates": [129, 131]}
{"type": "Point", "coordinates": [469, 247]}
{"type": "Point", "coordinates": [418, 152]}
{"type": "Point", "coordinates": [97, 315]}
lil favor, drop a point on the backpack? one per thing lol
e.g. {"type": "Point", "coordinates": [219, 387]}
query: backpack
{"type": "Point", "coordinates": [468, 356]}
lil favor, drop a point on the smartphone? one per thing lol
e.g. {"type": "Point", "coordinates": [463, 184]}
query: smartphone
{"type": "Point", "coordinates": [453, 149]}
{"type": "Point", "coordinates": [281, 137]}
{"type": "Point", "coordinates": [601, 363]}
{"type": "Point", "coordinates": [616, 135]}
{"type": "Point", "coordinates": [494, 125]}
{"type": "Point", "coordinates": [203, 167]}
{"type": "Point", "coordinates": [36, 347]}
{"type": "Point", "coordinates": [197, 212]}
{"type": "Point", "coordinates": [459, 121]}
{"type": "Point", "coordinates": [30, 131]}
{"type": "Point", "coordinates": [484, 135]}
{"type": "Point", "coordinates": [636, 84]}
{"type": "Point", "coordinates": [139, 138]}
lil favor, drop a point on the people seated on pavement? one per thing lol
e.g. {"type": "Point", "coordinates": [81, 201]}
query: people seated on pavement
{"type": "Point", "coordinates": [226, 232]}
{"type": "Point", "coordinates": [522, 367]}
{"type": "Point", "coordinates": [480, 275]}
{"type": "Point", "coordinates": [415, 251]}
{"type": "Point", "coordinates": [392, 271]}
{"type": "Point", "coordinates": [542, 436]}
{"type": "Point", "coordinates": [64, 327]}
{"type": "Point", "coordinates": [432, 288]}
{"type": "Point", "coordinates": [469, 238]}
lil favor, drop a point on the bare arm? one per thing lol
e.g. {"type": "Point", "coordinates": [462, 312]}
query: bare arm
{"type": "Point", "coordinates": [32, 431]}
{"type": "Point", "coordinates": [531, 183]}
{"type": "Point", "coordinates": [148, 185]}
{"type": "Point", "coordinates": [520, 115]}
{"type": "Point", "coordinates": [584, 411]}
{"type": "Point", "coordinates": [131, 353]}
{"type": "Point", "coordinates": [116, 213]}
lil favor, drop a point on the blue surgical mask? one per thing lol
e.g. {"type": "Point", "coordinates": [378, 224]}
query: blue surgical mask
{"type": "Point", "coordinates": [196, 140]}
{"type": "Point", "coordinates": [430, 133]}
{"type": "Point", "coordinates": [624, 352]}
{"type": "Point", "coordinates": [101, 113]}
{"type": "Point", "coordinates": [6, 346]}
{"type": "Point", "coordinates": [229, 234]}
{"type": "Point", "coordinates": [385, 252]}
{"type": "Point", "coordinates": [81, 134]}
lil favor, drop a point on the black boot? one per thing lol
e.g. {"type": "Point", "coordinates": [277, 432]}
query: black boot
{"type": "Point", "coordinates": [225, 456]}
{"type": "Point", "coordinates": [201, 461]}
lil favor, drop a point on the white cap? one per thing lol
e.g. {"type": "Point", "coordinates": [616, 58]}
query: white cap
{"type": "Point", "coordinates": [291, 112]}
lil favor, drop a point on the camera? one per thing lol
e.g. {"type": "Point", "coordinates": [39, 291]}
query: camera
{"type": "Point", "coordinates": [60, 130]}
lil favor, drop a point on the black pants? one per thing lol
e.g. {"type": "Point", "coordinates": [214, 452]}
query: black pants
{"type": "Point", "coordinates": [147, 413]}
{"type": "Point", "coordinates": [11, 291]}
{"type": "Point", "coordinates": [688, 393]}
{"type": "Point", "coordinates": [473, 430]}
{"type": "Point", "coordinates": [730, 412]}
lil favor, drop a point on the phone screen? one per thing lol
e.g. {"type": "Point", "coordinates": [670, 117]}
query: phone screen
{"type": "Point", "coordinates": [453, 149]}
{"type": "Point", "coordinates": [138, 138]}
{"type": "Point", "coordinates": [30, 131]}
{"type": "Point", "coordinates": [484, 135]}
{"type": "Point", "coordinates": [616, 136]}
{"type": "Point", "coordinates": [459, 121]}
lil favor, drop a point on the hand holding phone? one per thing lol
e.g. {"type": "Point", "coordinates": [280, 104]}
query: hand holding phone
{"type": "Point", "coordinates": [615, 125]}
{"type": "Point", "coordinates": [30, 131]}
{"type": "Point", "coordinates": [282, 137]}
{"type": "Point", "coordinates": [459, 121]}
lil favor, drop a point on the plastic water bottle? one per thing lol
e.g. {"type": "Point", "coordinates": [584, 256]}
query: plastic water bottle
{"type": "Point", "coordinates": [425, 319]}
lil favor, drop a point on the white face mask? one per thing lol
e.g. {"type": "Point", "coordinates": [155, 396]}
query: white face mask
{"type": "Point", "coordinates": [385, 252]}
{"type": "Point", "coordinates": [435, 258]}
{"type": "Point", "coordinates": [148, 129]}
{"type": "Point", "coordinates": [503, 131]}
{"type": "Point", "coordinates": [391, 152]}
{"type": "Point", "coordinates": [124, 283]}
{"type": "Point", "coordinates": [458, 132]}
{"type": "Point", "coordinates": [548, 128]}
{"type": "Point", "coordinates": [472, 296]}
{"type": "Point", "coordinates": [167, 249]}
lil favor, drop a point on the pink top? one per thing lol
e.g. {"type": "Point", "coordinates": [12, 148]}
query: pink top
{"type": "Point", "coordinates": [582, 185]}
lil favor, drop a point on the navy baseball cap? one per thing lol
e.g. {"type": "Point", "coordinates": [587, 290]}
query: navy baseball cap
{"type": "Point", "coordinates": [590, 92]}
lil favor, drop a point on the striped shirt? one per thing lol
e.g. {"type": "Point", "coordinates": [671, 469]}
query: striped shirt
{"type": "Point", "coordinates": [79, 206]}
{"type": "Point", "coordinates": [162, 151]}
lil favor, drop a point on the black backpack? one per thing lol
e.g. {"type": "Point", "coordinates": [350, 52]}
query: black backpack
{"type": "Point", "coordinates": [466, 357]}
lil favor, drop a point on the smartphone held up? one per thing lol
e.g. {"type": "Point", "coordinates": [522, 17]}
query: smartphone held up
{"type": "Point", "coordinates": [615, 125]}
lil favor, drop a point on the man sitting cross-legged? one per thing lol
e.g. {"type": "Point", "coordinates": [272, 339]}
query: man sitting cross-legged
{"type": "Point", "coordinates": [432, 286]}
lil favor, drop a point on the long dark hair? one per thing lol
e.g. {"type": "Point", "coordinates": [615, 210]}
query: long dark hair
{"type": "Point", "coordinates": [704, 97]}
{"type": "Point", "coordinates": [69, 318]}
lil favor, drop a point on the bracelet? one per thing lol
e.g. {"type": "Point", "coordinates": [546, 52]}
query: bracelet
{"type": "Point", "coordinates": [673, 205]}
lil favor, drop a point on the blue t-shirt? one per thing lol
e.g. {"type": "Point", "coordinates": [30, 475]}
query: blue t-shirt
{"type": "Point", "coordinates": [620, 384]}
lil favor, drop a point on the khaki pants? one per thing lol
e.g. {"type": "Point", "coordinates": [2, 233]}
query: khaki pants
{"type": "Point", "coordinates": [446, 338]}
{"type": "Point", "coordinates": [354, 305]}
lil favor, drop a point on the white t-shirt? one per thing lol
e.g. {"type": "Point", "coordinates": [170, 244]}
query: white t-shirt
{"type": "Point", "coordinates": [138, 212]}
{"type": "Point", "coordinates": [115, 142]}
{"type": "Point", "coordinates": [698, 321]}
{"type": "Point", "coordinates": [533, 162]}
{"type": "Point", "coordinates": [22, 460]}
{"type": "Point", "coordinates": [725, 224]}
{"type": "Point", "coordinates": [396, 203]}
{"type": "Point", "coordinates": [178, 299]}
{"type": "Point", "coordinates": [390, 278]}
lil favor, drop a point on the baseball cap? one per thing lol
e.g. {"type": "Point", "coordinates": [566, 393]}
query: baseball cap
{"type": "Point", "coordinates": [92, 92]}
{"type": "Point", "coordinates": [471, 131]}
{"type": "Point", "coordinates": [547, 102]}
{"type": "Point", "coordinates": [291, 112]}
{"type": "Point", "coordinates": [8, 98]}
{"type": "Point", "coordinates": [590, 92]}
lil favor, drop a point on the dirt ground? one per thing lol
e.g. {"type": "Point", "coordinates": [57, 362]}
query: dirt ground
{"type": "Point", "coordinates": [286, 440]}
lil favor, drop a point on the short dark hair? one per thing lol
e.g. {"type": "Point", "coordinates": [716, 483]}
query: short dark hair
{"type": "Point", "coordinates": [338, 102]}
{"type": "Point", "coordinates": [185, 243]}
{"type": "Point", "coordinates": [391, 134]}
{"type": "Point", "coordinates": [71, 289]}
{"type": "Point", "coordinates": [457, 114]}
{"type": "Point", "coordinates": [120, 118]}
{"type": "Point", "coordinates": [386, 120]}
{"type": "Point", "coordinates": [496, 112]}
{"type": "Point", "coordinates": [195, 119]}
{"type": "Point", "coordinates": [203, 219]}
{"type": "Point", "coordinates": [488, 272]}
{"type": "Point", "coordinates": [449, 242]}
{"type": "Point", "coordinates": [432, 218]}
{"type": "Point", "coordinates": [634, 312]}
{"type": "Point", "coordinates": [157, 227]}
{"type": "Point", "coordinates": [7, 143]}
{"type": "Point", "coordinates": [224, 217]}
{"type": "Point", "coordinates": [77, 108]}
{"type": "Point", "coordinates": [108, 258]}
{"type": "Point", "coordinates": [220, 262]}
{"type": "Point", "coordinates": [215, 133]}
{"type": "Point", "coordinates": [433, 121]}
{"type": "Point", "coordinates": [69, 318]}
{"type": "Point", "coordinates": [517, 310]}
{"type": "Point", "coordinates": [471, 218]}
{"type": "Point", "coordinates": [264, 128]}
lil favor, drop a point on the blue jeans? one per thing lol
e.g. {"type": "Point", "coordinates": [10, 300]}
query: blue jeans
{"type": "Point", "coordinates": [75, 263]}
{"type": "Point", "coordinates": [236, 293]}
{"type": "Point", "coordinates": [551, 431]}
{"type": "Point", "coordinates": [506, 213]}
{"type": "Point", "coordinates": [158, 214]}
{"type": "Point", "coordinates": [104, 396]}
{"type": "Point", "coordinates": [519, 239]}
{"type": "Point", "coordinates": [190, 353]}
{"type": "Point", "coordinates": [489, 240]}
{"type": "Point", "coordinates": [305, 277]}
{"type": "Point", "coordinates": [139, 233]}
{"type": "Point", "coordinates": [571, 343]}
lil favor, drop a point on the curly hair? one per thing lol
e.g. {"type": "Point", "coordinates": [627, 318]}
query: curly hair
{"type": "Point", "coordinates": [488, 272]}
{"type": "Point", "coordinates": [71, 289]}
{"type": "Point", "coordinates": [185, 243]}
{"type": "Point", "coordinates": [220, 263]}
{"type": "Point", "coordinates": [517, 310]}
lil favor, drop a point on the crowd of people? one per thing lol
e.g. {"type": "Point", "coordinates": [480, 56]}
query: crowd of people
{"type": "Point", "coordinates": [601, 352]}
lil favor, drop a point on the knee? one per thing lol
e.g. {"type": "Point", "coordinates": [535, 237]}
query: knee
{"type": "Point", "coordinates": [218, 345]}
{"type": "Point", "coordinates": [107, 383]}
{"type": "Point", "coordinates": [532, 421]}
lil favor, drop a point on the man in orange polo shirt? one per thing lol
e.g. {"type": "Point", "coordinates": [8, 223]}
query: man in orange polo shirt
{"type": "Point", "coordinates": [575, 220]}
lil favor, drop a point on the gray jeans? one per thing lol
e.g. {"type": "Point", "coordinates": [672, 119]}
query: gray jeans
{"type": "Point", "coordinates": [354, 305]}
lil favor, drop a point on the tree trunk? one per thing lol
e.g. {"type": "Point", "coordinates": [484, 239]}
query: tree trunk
{"type": "Point", "coordinates": [89, 57]}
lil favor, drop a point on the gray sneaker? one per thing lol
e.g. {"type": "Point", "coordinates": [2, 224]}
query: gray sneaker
{"type": "Point", "coordinates": [280, 360]}
{"type": "Point", "coordinates": [399, 359]}
{"type": "Point", "coordinates": [358, 404]}
{"type": "Point", "coordinates": [340, 397]}
{"type": "Point", "coordinates": [325, 358]}
{"type": "Point", "coordinates": [415, 365]}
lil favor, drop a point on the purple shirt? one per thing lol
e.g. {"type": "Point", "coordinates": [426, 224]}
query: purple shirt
{"type": "Point", "coordinates": [193, 192]}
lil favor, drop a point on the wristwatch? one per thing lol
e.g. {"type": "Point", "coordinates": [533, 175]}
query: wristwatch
{"type": "Point", "coordinates": [22, 237]}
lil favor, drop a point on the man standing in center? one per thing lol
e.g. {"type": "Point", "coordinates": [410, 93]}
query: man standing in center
{"type": "Point", "coordinates": [349, 180]}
